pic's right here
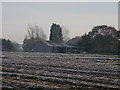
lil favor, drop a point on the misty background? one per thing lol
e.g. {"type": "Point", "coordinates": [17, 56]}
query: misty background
{"type": "Point", "coordinates": [78, 17]}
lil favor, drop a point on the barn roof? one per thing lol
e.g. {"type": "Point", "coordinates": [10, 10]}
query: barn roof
{"type": "Point", "coordinates": [55, 44]}
{"type": "Point", "coordinates": [45, 42]}
{"type": "Point", "coordinates": [61, 45]}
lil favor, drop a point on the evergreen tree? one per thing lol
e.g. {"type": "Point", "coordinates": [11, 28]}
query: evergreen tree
{"type": "Point", "coordinates": [56, 34]}
{"type": "Point", "coordinates": [7, 45]}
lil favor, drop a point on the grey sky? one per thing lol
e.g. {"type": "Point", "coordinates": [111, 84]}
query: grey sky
{"type": "Point", "coordinates": [77, 17]}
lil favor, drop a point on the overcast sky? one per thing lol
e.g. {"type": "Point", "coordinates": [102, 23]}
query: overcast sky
{"type": "Point", "coordinates": [77, 17]}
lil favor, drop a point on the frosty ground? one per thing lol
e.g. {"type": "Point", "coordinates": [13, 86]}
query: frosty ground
{"type": "Point", "coordinates": [23, 70]}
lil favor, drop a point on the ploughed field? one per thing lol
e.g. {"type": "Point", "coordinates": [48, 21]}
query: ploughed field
{"type": "Point", "coordinates": [23, 70]}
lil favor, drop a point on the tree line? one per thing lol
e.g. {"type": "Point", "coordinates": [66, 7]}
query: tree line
{"type": "Point", "coordinates": [101, 39]}
{"type": "Point", "coordinates": [8, 45]}
{"type": "Point", "coordinates": [35, 34]}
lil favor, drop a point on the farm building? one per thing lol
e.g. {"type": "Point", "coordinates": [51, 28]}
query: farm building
{"type": "Point", "coordinates": [43, 46]}
{"type": "Point", "coordinates": [64, 48]}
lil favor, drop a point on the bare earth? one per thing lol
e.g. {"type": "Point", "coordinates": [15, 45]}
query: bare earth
{"type": "Point", "coordinates": [56, 71]}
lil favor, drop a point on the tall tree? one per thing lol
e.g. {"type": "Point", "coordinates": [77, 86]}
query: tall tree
{"type": "Point", "coordinates": [56, 34]}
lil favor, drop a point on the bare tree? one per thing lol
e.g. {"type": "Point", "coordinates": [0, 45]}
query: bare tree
{"type": "Point", "coordinates": [30, 31]}
{"type": "Point", "coordinates": [65, 32]}
{"type": "Point", "coordinates": [35, 32]}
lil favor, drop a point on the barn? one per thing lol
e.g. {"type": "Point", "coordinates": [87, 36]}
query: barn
{"type": "Point", "coordinates": [42, 46]}
{"type": "Point", "coordinates": [46, 47]}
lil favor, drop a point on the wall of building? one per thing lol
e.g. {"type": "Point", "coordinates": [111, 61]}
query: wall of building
{"type": "Point", "coordinates": [42, 47]}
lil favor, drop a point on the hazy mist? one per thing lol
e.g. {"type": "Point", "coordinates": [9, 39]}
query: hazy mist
{"type": "Point", "coordinates": [77, 17]}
